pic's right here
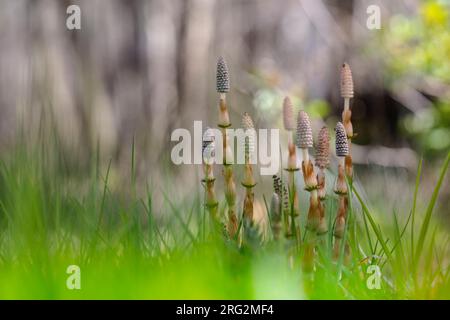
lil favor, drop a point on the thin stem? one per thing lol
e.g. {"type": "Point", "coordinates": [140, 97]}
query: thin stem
{"type": "Point", "coordinates": [305, 156]}
{"type": "Point", "coordinates": [346, 103]}
{"type": "Point", "coordinates": [314, 195]}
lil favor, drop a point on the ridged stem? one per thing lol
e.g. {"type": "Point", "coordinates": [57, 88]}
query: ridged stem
{"type": "Point", "coordinates": [323, 227]}
{"type": "Point", "coordinates": [347, 164]}
{"type": "Point", "coordinates": [248, 184]}
{"type": "Point", "coordinates": [346, 121]}
{"type": "Point", "coordinates": [310, 180]}
{"type": "Point", "coordinates": [341, 216]}
{"type": "Point", "coordinates": [230, 187]}
{"type": "Point", "coordinates": [210, 195]}
{"type": "Point", "coordinates": [293, 195]}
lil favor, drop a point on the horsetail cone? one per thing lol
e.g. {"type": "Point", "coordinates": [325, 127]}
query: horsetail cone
{"type": "Point", "coordinates": [323, 149]}
{"type": "Point", "coordinates": [288, 114]}
{"type": "Point", "coordinates": [342, 151]}
{"type": "Point", "coordinates": [286, 205]}
{"type": "Point", "coordinates": [283, 195]}
{"type": "Point", "coordinates": [222, 76]}
{"type": "Point", "coordinates": [346, 81]}
{"type": "Point", "coordinates": [247, 124]}
{"type": "Point", "coordinates": [341, 141]}
{"type": "Point", "coordinates": [277, 185]}
{"type": "Point", "coordinates": [304, 132]}
{"type": "Point", "coordinates": [280, 189]}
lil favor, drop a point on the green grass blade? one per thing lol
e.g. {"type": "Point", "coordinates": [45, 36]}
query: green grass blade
{"type": "Point", "coordinates": [373, 224]}
{"type": "Point", "coordinates": [413, 212]}
{"type": "Point", "coordinates": [105, 189]}
{"type": "Point", "coordinates": [180, 219]}
{"type": "Point", "coordinates": [426, 222]}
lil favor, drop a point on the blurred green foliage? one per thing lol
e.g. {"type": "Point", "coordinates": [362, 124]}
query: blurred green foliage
{"type": "Point", "coordinates": [269, 102]}
{"type": "Point", "coordinates": [268, 98]}
{"type": "Point", "coordinates": [418, 48]}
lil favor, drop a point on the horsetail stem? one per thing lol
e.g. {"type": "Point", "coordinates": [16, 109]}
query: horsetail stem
{"type": "Point", "coordinates": [340, 188]}
{"type": "Point", "coordinates": [249, 181]}
{"type": "Point", "coordinates": [347, 94]}
{"type": "Point", "coordinates": [208, 147]}
{"type": "Point", "coordinates": [304, 131]}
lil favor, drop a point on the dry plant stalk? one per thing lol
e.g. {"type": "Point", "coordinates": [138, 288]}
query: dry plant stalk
{"type": "Point", "coordinates": [223, 87]}
{"type": "Point", "coordinates": [340, 188]}
{"type": "Point", "coordinates": [249, 181]}
{"type": "Point", "coordinates": [289, 125]}
{"type": "Point", "coordinates": [322, 162]}
{"type": "Point", "coordinates": [304, 142]}
{"type": "Point", "coordinates": [347, 94]}
{"type": "Point", "coordinates": [208, 147]}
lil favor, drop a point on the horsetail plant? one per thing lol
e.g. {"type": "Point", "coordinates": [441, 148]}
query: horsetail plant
{"type": "Point", "coordinates": [347, 94]}
{"type": "Point", "coordinates": [340, 188]}
{"type": "Point", "coordinates": [304, 141]}
{"type": "Point", "coordinates": [223, 87]}
{"type": "Point", "coordinates": [208, 147]}
{"type": "Point", "coordinates": [251, 231]}
{"type": "Point", "coordinates": [322, 162]}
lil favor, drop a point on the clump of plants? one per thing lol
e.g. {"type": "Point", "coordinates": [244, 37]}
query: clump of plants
{"type": "Point", "coordinates": [223, 86]}
{"type": "Point", "coordinates": [284, 212]}
{"type": "Point", "coordinates": [328, 236]}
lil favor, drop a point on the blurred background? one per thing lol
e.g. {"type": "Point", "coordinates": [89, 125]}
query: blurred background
{"type": "Point", "coordinates": [139, 69]}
